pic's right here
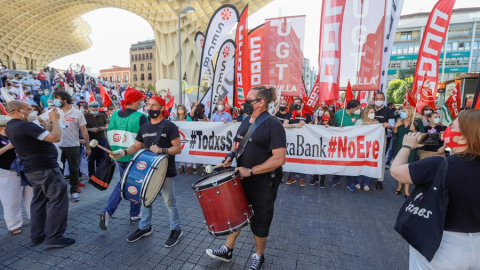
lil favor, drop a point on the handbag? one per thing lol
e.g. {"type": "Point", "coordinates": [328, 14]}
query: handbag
{"type": "Point", "coordinates": [102, 177]}
{"type": "Point", "coordinates": [17, 166]}
{"type": "Point", "coordinates": [421, 219]}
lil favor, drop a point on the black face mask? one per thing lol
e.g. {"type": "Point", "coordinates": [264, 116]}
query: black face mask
{"type": "Point", "coordinates": [242, 112]}
{"type": "Point", "coordinates": [297, 106]}
{"type": "Point", "coordinates": [248, 108]}
{"type": "Point", "coordinates": [282, 108]}
{"type": "Point", "coordinates": [153, 113]}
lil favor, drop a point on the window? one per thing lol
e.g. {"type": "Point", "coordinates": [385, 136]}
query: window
{"type": "Point", "coordinates": [406, 36]}
{"type": "Point", "coordinates": [149, 67]}
{"type": "Point", "coordinates": [142, 77]}
{"type": "Point", "coordinates": [135, 57]}
{"type": "Point", "coordinates": [126, 78]}
{"type": "Point", "coordinates": [398, 64]}
{"type": "Point", "coordinates": [143, 56]}
{"type": "Point", "coordinates": [405, 48]}
{"type": "Point", "coordinates": [118, 78]}
{"type": "Point", "coordinates": [134, 67]}
{"type": "Point", "coordinates": [394, 49]}
{"type": "Point", "coordinates": [417, 47]}
{"type": "Point", "coordinates": [454, 46]}
{"type": "Point", "coordinates": [467, 46]}
{"type": "Point", "coordinates": [461, 46]}
{"type": "Point", "coordinates": [111, 79]}
{"type": "Point", "coordinates": [135, 77]}
{"type": "Point", "coordinates": [410, 48]}
{"type": "Point", "coordinates": [151, 56]}
{"type": "Point", "coordinates": [132, 58]}
{"type": "Point", "coordinates": [149, 76]}
{"type": "Point", "coordinates": [449, 47]}
{"type": "Point", "coordinates": [475, 45]}
{"type": "Point", "coordinates": [142, 67]}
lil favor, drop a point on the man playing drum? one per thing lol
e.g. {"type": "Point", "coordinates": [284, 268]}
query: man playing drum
{"type": "Point", "coordinates": [260, 166]}
{"type": "Point", "coordinates": [165, 143]}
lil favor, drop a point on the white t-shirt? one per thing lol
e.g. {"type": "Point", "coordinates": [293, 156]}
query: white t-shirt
{"type": "Point", "coordinates": [36, 84]}
{"type": "Point", "coordinates": [70, 123]}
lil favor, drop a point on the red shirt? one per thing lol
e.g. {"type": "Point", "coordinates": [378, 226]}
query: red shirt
{"type": "Point", "coordinates": [41, 76]}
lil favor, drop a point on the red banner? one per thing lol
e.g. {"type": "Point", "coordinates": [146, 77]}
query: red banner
{"type": "Point", "coordinates": [283, 54]}
{"type": "Point", "coordinates": [256, 44]}
{"type": "Point", "coordinates": [429, 53]}
{"type": "Point", "coordinates": [106, 101]}
{"type": "Point", "coordinates": [242, 60]}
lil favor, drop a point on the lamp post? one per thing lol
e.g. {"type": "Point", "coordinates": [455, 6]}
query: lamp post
{"type": "Point", "coordinates": [186, 10]}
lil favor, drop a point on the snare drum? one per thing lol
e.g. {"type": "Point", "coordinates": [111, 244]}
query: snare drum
{"type": "Point", "coordinates": [143, 179]}
{"type": "Point", "coordinates": [223, 202]}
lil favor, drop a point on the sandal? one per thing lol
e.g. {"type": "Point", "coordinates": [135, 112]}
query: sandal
{"type": "Point", "coordinates": [16, 231]}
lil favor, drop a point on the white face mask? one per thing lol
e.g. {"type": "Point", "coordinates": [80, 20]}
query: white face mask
{"type": "Point", "coordinates": [378, 103]}
{"type": "Point", "coordinates": [32, 116]}
{"type": "Point", "coordinates": [221, 107]}
{"type": "Point", "coordinates": [357, 112]}
{"type": "Point", "coordinates": [436, 120]}
{"type": "Point", "coordinates": [371, 116]}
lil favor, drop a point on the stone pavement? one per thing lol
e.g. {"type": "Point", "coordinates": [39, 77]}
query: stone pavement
{"type": "Point", "coordinates": [312, 229]}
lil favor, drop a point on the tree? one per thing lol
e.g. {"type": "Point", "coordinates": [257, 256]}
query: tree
{"type": "Point", "coordinates": [405, 73]}
{"type": "Point", "coordinates": [399, 94]}
{"type": "Point", "coordinates": [393, 85]}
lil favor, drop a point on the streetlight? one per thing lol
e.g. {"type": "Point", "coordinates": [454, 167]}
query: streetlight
{"type": "Point", "coordinates": [186, 10]}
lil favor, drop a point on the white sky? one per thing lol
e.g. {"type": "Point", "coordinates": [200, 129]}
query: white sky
{"type": "Point", "coordinates": [114, 30]}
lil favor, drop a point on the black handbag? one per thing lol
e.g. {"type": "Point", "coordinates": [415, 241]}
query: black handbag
{"type": "Point", "coordinates": [102, 177]}
{"type": "Point", "coordinates": [422, 217]}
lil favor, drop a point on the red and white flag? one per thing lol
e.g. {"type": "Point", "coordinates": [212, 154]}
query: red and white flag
{"type": "Point", "coordinates": [82, 69]}
{"type": "Point", "coordinates": [348, 94]}
{"type": "Point", "coordinates": [106, 100]}
{"type": "Point", "coordinates": [242, 59]}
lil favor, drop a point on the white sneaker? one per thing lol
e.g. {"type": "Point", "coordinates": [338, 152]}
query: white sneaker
{"type": "Point", "coordinates": [357, 186]}
{"type": "Point", "coordinates": [75, 197]}
{"type": "Point", "coordinates": [366, 188]}
{"type": "Point", "coordinates": [135, 218]}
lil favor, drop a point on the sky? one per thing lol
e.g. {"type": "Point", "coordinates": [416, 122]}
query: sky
{"type": "Point", "coordinates": [114, 30]}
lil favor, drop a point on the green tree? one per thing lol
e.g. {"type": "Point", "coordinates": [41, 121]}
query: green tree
{"type": "Point", "coordinates": [405, 73]}
{"type": "Point", "coordinates": [393, 85]}
{"type": "Point", "coordinates": [399, 94]}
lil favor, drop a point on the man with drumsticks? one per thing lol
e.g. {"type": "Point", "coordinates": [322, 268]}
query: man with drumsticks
{"type": "Point", "coordinates": [260, 166]}
{"type": "Point", "coordinates": [165, 143]}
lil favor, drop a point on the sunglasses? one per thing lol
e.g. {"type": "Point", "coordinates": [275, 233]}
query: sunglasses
{"type": "Point", "coordinates": [251, 101]}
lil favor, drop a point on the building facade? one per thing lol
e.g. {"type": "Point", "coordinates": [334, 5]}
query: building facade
{"type": "Point", "coordinates": [143, 56]}
{"type": "Point", "coordinates": [460, 53]}
{"type": "Point", "coordinates": [309, 74]}
{"type": "Point", "coordinates": [115, 75]}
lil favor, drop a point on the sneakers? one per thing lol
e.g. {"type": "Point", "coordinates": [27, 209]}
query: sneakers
{"type": "Point", "coordinates": [352, 189]}
{"type": "Point", "coordinates": [173, 238]}
{"type": "Point", "coordinates": [357, 186]}
{"type": "Point", "coordinates": [135, 218]}
{"type": "Point", "coordinates": [290, 181]}
{"type": "Point", "coordinates": [182, 169]}
{"type": "Point", "coordinates": [136, 235]}
{"type": "Point", "coordinates": [80, 184]}
{"type": "Point", "coordinates": [104, 219]}
{"type": "Point", "coordinates": [258, 261]}
{"type": "Point", "coordinates": [322, 183]}
{"type": "Point", "coordinates": [366, 188]}
{"type": "Point", "coordinates": [64, 242]}
{"type": "Point", "coordinates": [336, 184]}
{"type": "Point", "coordinates": [75, 197]}
{"type": "Point", "coordinates": [189, 170]}
{"type": "Point", "coordinates": [223, 253]}
{"type": "Point", "coordinates": [313, 182]}
{"type": "Point", "coordinates": [379, 185]}
{"type": "Point", "coordinates": [302, 183]}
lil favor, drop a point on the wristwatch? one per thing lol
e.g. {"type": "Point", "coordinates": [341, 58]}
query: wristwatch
{"type": "Point", "coordinates": [250, 171]}
{"type": "Point", "coordinates": [407, 146]}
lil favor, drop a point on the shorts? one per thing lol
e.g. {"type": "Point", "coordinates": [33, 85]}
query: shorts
{"type": "Point", "coordinates": [261, 195]}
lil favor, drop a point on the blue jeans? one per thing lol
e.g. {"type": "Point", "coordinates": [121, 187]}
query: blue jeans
{"type": "Point", "coordinates": [390, 150]}
{"type": "Point", "coordinates": [365, 180]}
{"type": "Point", "coordinates": [168, 194]}
{"type": "Point", "coordinates": [115, 198]}
{"type": "Point", "coordinates": [350, 180]}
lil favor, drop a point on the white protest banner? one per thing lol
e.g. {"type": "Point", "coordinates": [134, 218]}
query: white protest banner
{"type": "Point", "coordinates": [223, 67]}
{"type": "Point", "coordinates": [352, 151]}
{"type": "Point", "coordinates": [200, 40]}
{"type": "Point", "coordinates": [218, 30]}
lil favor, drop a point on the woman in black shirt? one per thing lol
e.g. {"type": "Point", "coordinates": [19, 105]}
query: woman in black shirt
{"type": "Point", "coordinates": [433, 144]}
{"type": "Point", "coordinates": [11, 192]}
{"type": "Point", "coordinates": [460, 244]}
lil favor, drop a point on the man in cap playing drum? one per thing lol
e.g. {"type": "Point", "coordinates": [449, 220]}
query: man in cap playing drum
{"type": "Point", "coordinates": [168, 143]}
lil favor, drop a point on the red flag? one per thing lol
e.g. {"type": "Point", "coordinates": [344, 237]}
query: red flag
{"type": "Point", "coordinates": [429, 53]}
{"type": "Point", "coordinates": [169, 95]}
{"type": "Point", "coordinates": [227, 105]}
{"type": "Point", "coordinates": [426, 95]}
{"type": "Point", "coordinates": [2, 108]}
{"type": "Point", "coordinates": [312, 100]}
{"type": "Point", "coordinates": [348, 94]}
{"type": "Point", "coordinates": [476, 98]}
{"type": "Point", "coordinates": [242, 59]}
{"type": "Point", "coordinates": [82, 69]}
{"type": "Point", "coordinates": [405, 98]}
{"type": "Point", "coordinates": [456, 93]}
{"type": "Point", "coordinates": [330, 48]}
{"type": "Point", "coordinates": [106, 101]}
{"type": "Point", "coordinates": [91, 98]}
{"type": "Point", "coordinates": [71, 73]}
{"type": "Point", "coordinates": [170, 102]}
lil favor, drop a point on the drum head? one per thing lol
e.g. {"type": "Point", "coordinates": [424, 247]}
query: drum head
{"type": "Point", "coordinates": [155, 178]}
{"type": "Point", "coordinates": [217, 178]}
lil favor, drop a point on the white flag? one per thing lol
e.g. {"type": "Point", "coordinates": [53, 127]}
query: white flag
{"type": "Point", "coordinates": [188, 104]}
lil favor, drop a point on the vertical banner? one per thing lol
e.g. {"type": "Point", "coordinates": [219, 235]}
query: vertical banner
{"type": "Point", "coordinates": [207, 101]}
{"type": "Point", "coordinates": [283, 54]}
{"type": "Point", "coordinates": [225, 64]}
{"type": "Point", "coordinates": [362, 44]}
{"type": "Point", "coordinates": [242, 59]}
{"type": "Point", "coordinates": [329, 56]}
{"type": "Point", "coordinates": [429, 53]}
{"type": "Point", "coordinates": [219, 27]}
{"type": "Point", "coordinates": [393, 11]}
{"type": "Point", "coordinates": [200, 41]}
{"type": "Point", "coordinates": [256, 39]}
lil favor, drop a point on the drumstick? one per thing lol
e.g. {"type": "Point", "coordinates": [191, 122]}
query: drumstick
{"type": "Point", "coordinates": [209, 168]}
{"type": "Point", "coordinates": [94, 143]}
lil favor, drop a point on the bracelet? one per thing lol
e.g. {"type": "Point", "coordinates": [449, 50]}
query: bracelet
{"type": "Point", "coordinates": [251, 171]}
{"type": "Point", "coordinates": [407, 146]}
{"type": "Point", "coordinates": [125, 152]}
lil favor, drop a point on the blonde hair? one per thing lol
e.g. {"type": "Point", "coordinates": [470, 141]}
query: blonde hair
{"type": "Point", "coordinates": [410, 113]}
{"type": "Point", "coordinates": [469, 124]}
{"type": "Point", "coordinates": [364, 117]}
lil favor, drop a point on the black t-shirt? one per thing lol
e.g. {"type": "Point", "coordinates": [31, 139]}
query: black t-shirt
{"type": "Point", "coordinates": [281, 116]}
{"type": "Point", "coordinates": [383, 115]}
{"type": "Point", "coordinates": [434, 140]}
{"type": "Point", "coordinates": [8, 157]}
{"type": "Point", "coordinates": [268, 136]}
{"type": "Point", "coordinates": [198, 117]}
{"type": "Point", "coordinates": [127, 112]}
{"type": "Point", "coordinates": [95, 122]}
{"type": "Point", "coordinates": [306, 117]}
{"type": "Point", "coordinates": [148, 133]}
{"type": "Point", "coordinates": [35, 154]}
{"type": "Point", "coordinates": [463, 185]}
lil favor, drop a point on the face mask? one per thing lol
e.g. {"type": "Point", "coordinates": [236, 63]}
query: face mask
{"type": "Point", "coordinates": [297, 107]}
{"type": "Point", "coordinates": [403, 115]}
{"type": "Point", "coordinates": [326, 118]}
{"type": "Point", "coordinates": [40, 92]}
{"type": "Point", "coordinates": [320, 113]}
{"type": "Point", "coordinates": [436, 120]}
{"type": "Point", "coordinates": [31, 96]}
{"type": "Point", "coordinates": [428, 112]}
{"type": "Point", "coordinates": [82, 110]}
{"type": "Point", "coordinates": [282, 108]}
{"type": "Point", "coordinates": [153, 113]}
{"type": "Point", "coordinates": [50, 105]}
{"type": "Point", "coordinates": [448, 136]}
{"type": "Point", "coordinates": [32, 116]}
{"type": "Point", "coordinates": [371, 116]}
{"type": "Point", "coordinates": [57, 103]}
{"type": "Point", "coordinates": [357, 112]}
{"type": "Point", "coordinates": [94, 112]}
{"type": "Point", "coordinates": [221, 107]}
{"type": "Point", "coordinates": [141, 105]}
{"type": "Point", "coordinates": [378, 103]}
{"type": "Point", "coordinates": [46, 93]}
{"type": "Point", "coordinates": [248, 108]}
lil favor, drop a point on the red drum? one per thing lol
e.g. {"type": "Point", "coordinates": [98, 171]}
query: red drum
{"type": "Point", "coordinates": [223, 202]}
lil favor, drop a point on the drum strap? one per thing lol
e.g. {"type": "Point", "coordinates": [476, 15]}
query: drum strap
{"type": "Point", "coordinates": [159, 132]}
{"type": "Point", "coordinates": [243, 143]}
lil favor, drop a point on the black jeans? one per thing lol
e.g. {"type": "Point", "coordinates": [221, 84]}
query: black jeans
{"type": "Point", "coordinates": [96, 157]}
{"type": "Point", "coordinates": [49, 206]}
{"type": "Point", "coordinates": [71, 154]}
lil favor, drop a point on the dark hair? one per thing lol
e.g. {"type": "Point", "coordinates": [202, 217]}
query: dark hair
{"type": "Point", "coordinates": [381, 93]}
{"type": "Point", "coordinates": [28, 93]}
{"type": "Point", "coordinates": [352, 104]}
{"type": "Point", "coordinates": [63, 96]}
{"type": "Point", "coordinates": [390, 104]}
{"type": "Point", "coordinates": [38, 109]}
{"type": "Point", "coordinates": [267, 93]}
{"type": "Point", "coordinates": [297, 98]}
{"type": "Point", "coordinates": [431, 114]}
